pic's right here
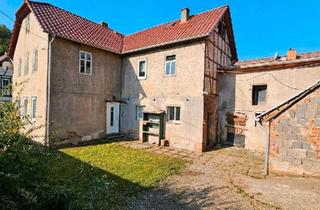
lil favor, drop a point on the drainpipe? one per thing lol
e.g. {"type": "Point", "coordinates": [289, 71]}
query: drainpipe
{"type": "Point", "coordinates": [48, 91]}
{"type": "Point", "coordinates": [266, 129]}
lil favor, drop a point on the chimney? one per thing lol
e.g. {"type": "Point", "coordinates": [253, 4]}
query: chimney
{"type": "Point", "coordinates": [292, 54]}
{"type": "Point", "coordinates": [104, 24]}
{"type": "Point", "coordinates": [185, 15]}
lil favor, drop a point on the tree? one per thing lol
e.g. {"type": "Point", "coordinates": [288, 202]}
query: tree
{"type": "Point", "coordinates": [5, 34]}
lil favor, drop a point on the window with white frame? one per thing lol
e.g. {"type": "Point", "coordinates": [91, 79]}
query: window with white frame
{"type": "Point", "coordinates": [19, 67]}
{"type": "Point", "coordinates": [6, 87]}
{"type": "Point", "coordinates": [85, 63]}
{"type": "Point", "coordinates": [33, 107]}
{"type": "Point", "coordinates": [35, 60]}
{"type": "Point", "coordinates": [139, 112]}
{"type": "Point", "coordinates": [142, 69]}
{"type": "Point", "coordinates": [25, 106]}
{"type": "Point", "coordinates": [26, 64]}
{"type": "Point", "coordinates": [170, 65]}
{"type": "Point", "coordinates": [173, 113]}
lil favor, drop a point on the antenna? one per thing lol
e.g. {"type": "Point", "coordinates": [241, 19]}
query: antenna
{"type": "Point", "coordinates": [276, 56]}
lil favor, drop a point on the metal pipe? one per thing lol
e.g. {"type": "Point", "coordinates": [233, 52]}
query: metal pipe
{"type": "Point", "coordinates": [48, 91]}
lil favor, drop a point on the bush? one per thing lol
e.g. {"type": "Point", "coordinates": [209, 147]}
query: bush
{"type": "Point", "coordinates": [25, 168]}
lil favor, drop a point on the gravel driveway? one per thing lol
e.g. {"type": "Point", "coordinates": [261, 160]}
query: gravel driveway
{"type": "Point", "coordinates": [229, 178]}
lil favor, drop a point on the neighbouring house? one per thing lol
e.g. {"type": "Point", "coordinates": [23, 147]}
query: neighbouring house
{"type": "Point", "coordinates": [6, 70]}
{"type": "Point", "coordinates": [257, 86]}
{"type": "Point", "coordinates": [83, 80]}
{"type": "Point", "coordinates": [294, 133]}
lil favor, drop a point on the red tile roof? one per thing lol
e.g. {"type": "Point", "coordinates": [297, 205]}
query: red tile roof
{"type": "Point", "coordinates": [272, 60]}
{"type": "Point", "coordinates": [198, 25]}
{"type": "Point", "coordinates": [64, 24]}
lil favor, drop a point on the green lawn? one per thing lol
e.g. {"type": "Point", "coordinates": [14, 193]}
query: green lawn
{"type": "Point", "coordinates": [105, 176]}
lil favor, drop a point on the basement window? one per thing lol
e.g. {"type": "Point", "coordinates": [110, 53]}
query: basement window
{"type": "Point", "coordinates": [170, 66]}
{"type": "Point", "coordinates": [85, 63]}
{"type": "Point", "coordinates": [259, 94]}
{"type": "Point", "coordinates": [173, 113]}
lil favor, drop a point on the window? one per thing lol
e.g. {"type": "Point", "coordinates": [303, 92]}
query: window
{"type": "Point", "coordinates": [5, 87]}
{"type": "Point", "coordinates": [222, 30]}
{"type": "Point", "coordinates": [27, 27]}
{"type": "Point", "coordinates": [19, 67]}
{"type": "Point", "coordinates": [35, 60]}
{"type": "Point", "coordinates": [85, 63]}
{"type": "Point", "coordinates": [259, 94]}
{"type": "Point", "coordinates": [26, 64]}
{"type": "Point", "coordinates": [25, 106]}
{"type": "Point", "coordinates": [142, 68]}
{"type": "Point", "coordinates": [139, 112]}
{"type": "Point", "coordinates": [170, 67]}
{"type": "Point", "coordinates": [33, 108]}
{"type": "Point", "coordinates": [173, 113]}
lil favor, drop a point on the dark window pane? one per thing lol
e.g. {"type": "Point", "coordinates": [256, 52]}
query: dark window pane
{"type": "Point", "coordinates": [171, 113]}
{"type": "Point", "coordinates": [82, 55]}
{"type": "Point", "coordinates": [111, 116]}
{"type": "Point", "coordinates": [82, 70]}
{"type": "Point", "coordinates": [177, 113]}
{"type": "Point", "coordinates": [88, 67]}
{"type": "Point", "coordinates": [171, 58]}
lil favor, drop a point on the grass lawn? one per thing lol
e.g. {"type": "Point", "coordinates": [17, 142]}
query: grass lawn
{"type": "Point", "coordinates": [105, 176]}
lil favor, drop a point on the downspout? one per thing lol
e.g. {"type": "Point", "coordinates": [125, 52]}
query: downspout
{"type": "Point", "coordinates": [266, 129]}
{"type": "Point", "coordinates": [49, 91]}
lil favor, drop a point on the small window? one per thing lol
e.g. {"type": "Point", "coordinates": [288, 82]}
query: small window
{"type": "Point", "coordinates": [6, 87]}
{"type": "Point", "coordinates": [19, 67]}
{"type": "Point", "coordinates": [222, 30]}
{"type": "Point", "coordinates": [173, 113]}
{"type": "Point", "coordinates": [26, 64]}
{"type": "Point", "coordinates": [170, 66]}
{"type": "Point", "coordinates": [27, 27]}
{"type": "Point", "coordinates": [259, 94]}
{"type": "Point", "coordinates": [25, 106]}
{"type": "Point", "coordinates": [85, 63]}
{"type": "Point", "coordinates": [139, 112]}
{"type": "Point", "coordinates": [35, 60]}
{"type": "Point", "coordinates": [33, 108]}
{"type": "Point", "coordinates": [142, 68]}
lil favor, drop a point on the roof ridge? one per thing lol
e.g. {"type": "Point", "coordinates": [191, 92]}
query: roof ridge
{"type": "Point", "coordinates": [173, 21]}
{"type": "Point", "coordinates": [52, 5]}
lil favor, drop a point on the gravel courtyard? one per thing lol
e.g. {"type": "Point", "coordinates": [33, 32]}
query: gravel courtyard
{"type": "Point", "coordinates": [228, 178]}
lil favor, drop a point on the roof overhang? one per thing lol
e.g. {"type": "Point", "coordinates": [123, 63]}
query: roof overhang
{"type": "Point", "coordinates": [310, 62]}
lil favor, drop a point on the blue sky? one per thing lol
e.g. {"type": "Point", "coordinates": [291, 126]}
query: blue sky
{"type": "Point", "coordinates": [261, 27]}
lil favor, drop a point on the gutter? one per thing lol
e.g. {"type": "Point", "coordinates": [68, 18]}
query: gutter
{"type": "Point", "coordinates": [49, 91]}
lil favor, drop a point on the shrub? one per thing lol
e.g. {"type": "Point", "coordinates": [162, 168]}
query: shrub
{"type": "Point", "coordinates": [25, 167]}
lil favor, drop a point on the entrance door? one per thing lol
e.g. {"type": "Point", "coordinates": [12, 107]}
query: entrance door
{"type": "Point", "coordinates": [112, 117]}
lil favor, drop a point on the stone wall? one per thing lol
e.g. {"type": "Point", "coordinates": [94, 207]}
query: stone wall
{"type": "Point", "coordinates": [295, 138]}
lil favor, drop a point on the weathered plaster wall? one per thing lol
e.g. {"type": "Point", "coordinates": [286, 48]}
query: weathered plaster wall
{"type": "Point", "coordinates": [78, 108]}
{"type": "Point", "coordinates": [158, 91]}
{"type": "Point", "coordinates": [295, 138]}
{"type": "Point", "coordinates": [32, 83]}
{"type": "Point", "coordinates": [281, 85]}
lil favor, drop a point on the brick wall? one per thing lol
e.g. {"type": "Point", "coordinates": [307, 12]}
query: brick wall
{"type": "Point", "coordinates": [295, 138]}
